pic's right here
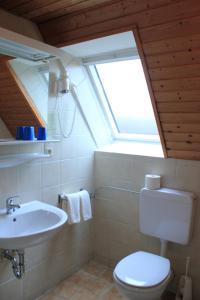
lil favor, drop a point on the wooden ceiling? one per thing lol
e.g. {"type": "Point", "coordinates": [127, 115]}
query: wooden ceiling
{"type": "Point", "coordinates": [42, 10]}
{"type": "Point", "coordinates": [169, 33]}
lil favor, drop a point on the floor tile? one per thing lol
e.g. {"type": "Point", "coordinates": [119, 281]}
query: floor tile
{"type": "Point", "coordinates": [65, 289]}
{"type": "Point", "coordinates": [95, 268]}
{"type": "Point", "coordinates": [112, 294]}
{"type": "Point", "coordinates": [92, 282]}
{"type": "Point", "coordinates": [49, 296]}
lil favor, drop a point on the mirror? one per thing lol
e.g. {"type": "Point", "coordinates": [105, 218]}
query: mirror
{"type": "Point", "coordinates": [24, 81]}
{"type": "Point", "coordinates": [23, 95]}
{"type": "Point", "coordinates": [34, 77]}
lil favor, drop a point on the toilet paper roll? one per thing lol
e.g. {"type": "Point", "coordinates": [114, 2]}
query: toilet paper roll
{"type": "Point", "coordinates": [152, 182]}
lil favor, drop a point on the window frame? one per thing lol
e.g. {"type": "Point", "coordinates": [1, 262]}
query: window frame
{"type": "Point", "coordinates": [43, 69]}
{"type": "Point", "coordinates": [90, 66]}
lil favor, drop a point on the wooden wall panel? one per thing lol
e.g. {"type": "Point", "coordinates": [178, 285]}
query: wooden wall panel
{"type": "Point", "coordinates": [172, 45]}
{"type": "Point", "coordinates": [182, 118]}
{"type": "Point", "coordinates": [184, 71]}
{"type": "Point", "coordinates": [42, 10]}
{"type": "Point", "coordinates": [179, 107]}
{"type": "Point", "coordinates": [15, 106]}
{"type": "Point", "coordinates": [180, 96]}
{"type": "Point", "coordinates": [183, 84]}
{"type": "Point", "coordinates": [180, 128]}
{"type": "Point", "coordinates": [188, 57]}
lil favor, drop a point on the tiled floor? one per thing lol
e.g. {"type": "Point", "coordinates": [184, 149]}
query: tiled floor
{"type": "Point", "coordinates": [94, 281]}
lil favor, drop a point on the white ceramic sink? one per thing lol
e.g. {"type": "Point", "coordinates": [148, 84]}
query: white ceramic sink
{"type": "Point", "coordinates": [31, 224]}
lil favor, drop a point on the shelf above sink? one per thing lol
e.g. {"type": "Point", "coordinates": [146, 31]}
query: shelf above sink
{"type": "Point", "coordinates": [12, 142]}
{"type": "Point", "coordinates": [13, 160]}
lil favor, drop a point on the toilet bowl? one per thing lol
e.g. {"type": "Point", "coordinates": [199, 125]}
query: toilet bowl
{"type": "Point", "coordinates": [142, 276]}
{"type": "Point", "coordinates": [167, 215]}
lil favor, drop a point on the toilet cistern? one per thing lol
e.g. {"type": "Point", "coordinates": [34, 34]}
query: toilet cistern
{"type": "Point", "coordinates": [165, 214]}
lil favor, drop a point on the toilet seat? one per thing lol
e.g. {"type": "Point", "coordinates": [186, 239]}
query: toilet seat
{"type": "Point", "coordinates": [142, 270]}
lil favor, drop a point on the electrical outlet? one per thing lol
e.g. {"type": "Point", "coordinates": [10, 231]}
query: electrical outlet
{"type": "Point", "coordinates": [49, 151]}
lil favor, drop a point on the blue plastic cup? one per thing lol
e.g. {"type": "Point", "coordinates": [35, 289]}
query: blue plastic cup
{"type": "Point", "coordinates": [29, 134]}
{"type": "Point", "coordinates": [19, 132]}
{"type": "Point", "coordinates": [42, 134]}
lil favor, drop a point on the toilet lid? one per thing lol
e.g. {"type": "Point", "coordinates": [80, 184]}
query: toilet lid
{"type": "Point", "coordinates": [142, 269]}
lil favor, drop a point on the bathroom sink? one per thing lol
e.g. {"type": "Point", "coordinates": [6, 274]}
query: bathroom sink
{"type": "Point", "coordinates": [33, 223]}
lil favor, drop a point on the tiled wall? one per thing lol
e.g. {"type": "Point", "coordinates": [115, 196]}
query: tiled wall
{"type": "Point", "coordinates": [116, 212]}
{"type": "Point", "coordinates": [69, 169]}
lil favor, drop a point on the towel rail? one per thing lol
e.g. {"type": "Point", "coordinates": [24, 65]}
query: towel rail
{"type": "Point", "coordinates": [62, 196]}
{"type": "Point", "coordinates": [116, 188]}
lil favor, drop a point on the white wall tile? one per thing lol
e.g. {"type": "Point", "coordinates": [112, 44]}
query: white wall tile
{"type": "Point", "coordinates": [30, 177]}
{"type": "Point", "coordinates": [11, 290]}
{"type": "Point", "coordinates": [9, 181]}
{"type": "Point", "coordinates": [50, 174]}
{"type": "Point", "coordinates": [67, 170]}
{"type": "Point", "coordinates": [50, 194]}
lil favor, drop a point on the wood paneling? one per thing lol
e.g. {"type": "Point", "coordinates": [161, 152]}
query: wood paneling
{"type": "Point", "coordinates": [16, 109]}
{"type": "Point", "coordinates": [183, 146]}
{"type": "Point", "coordinates": [182, 137]}
{"type": "Point", "coordinates": [179, 107]}
{"type": "Point", "coordinates": [180, 118]}
{"type": "Point", "coordinates": [180, 128]}
{"type": "Point", "coordinates": [172, 45]}
{"type": "Point", "coordinates": [180, 96]}
{"type": "Point", "coordinates": [184, 71]}
{"type": "Point", "coordinates": [180, 154]}
{"type": "Point", "coordinates": [183, 84]}
{"type": "Point", "coordinates": [42, 10]}
{"type": "Point", "coordinates": [174, 59]}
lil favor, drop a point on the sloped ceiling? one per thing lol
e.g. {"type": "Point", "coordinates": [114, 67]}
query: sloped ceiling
{"type": "Point", "coordinates": [169, 32]}
{"type": "Point", "coordinates": [41, 11]}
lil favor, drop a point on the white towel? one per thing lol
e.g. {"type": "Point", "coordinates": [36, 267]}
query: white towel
{"type": "Point", "coordinates": [73, 208]}
{"type": "Point", "coordinates": [86, 210]}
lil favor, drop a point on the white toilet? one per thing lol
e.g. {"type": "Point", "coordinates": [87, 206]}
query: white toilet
{"type": "Point", "coordinates": [167, 215]}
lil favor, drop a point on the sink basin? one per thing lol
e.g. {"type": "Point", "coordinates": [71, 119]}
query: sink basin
{"type": "Point", "coordinates": [33, 223]}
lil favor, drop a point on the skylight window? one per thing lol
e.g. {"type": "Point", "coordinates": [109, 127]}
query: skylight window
{"type": "Point", "coordinates": [116, 73]}
{"type": "Point", "coordinates": [123, 92]}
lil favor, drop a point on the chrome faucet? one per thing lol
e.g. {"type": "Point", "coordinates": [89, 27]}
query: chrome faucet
{"type": "Point", "coordinates": [10, 206]}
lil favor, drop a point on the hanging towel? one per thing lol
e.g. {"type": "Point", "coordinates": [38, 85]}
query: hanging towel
{"type": "Point", "coordinates": [73, 208]}
{"type": "Point", "coordinates": [86, 211]}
